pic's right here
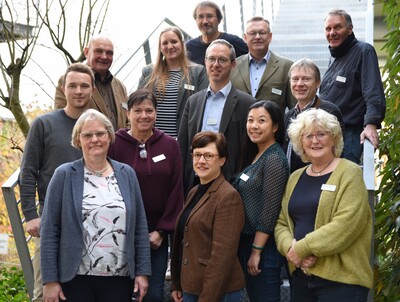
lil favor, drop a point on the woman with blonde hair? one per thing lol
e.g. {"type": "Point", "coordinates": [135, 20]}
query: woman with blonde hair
{"type": "Point", "coordinates": [172, 78]}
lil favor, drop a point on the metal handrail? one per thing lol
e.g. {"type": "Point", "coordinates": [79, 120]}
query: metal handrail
{"type": "Point", "coordinates": [16, 221]}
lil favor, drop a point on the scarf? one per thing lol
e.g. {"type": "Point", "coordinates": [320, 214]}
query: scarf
{"type": "Point", "coordinates": [343, 48]}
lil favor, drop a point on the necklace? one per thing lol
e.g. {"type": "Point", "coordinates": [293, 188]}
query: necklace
{"type": "Point", "coordinates": [98, 173]}
{"type": "Point", "coordinates": [320, 171]}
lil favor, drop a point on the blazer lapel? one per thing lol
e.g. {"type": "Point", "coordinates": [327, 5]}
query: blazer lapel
{"type": "Point", "coordinates": [229, 108]}
{"type": "Point", "coordinates": [271, 68]}
{"type": "Point", "coordinates": [200, 106]}
{"type": "Point", "coordinates": [244, 71]}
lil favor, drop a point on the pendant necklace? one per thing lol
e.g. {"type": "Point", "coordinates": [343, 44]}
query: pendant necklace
{"type": "Point", "coordinates": [98, 173]}
{"type": "Point", "coordinates": [320, 171]}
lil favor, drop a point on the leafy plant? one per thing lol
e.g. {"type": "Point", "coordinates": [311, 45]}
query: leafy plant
{"type": "Point", "coordinates": [387, 210]}
{"type": "Point", "coordinates": [12, 285]}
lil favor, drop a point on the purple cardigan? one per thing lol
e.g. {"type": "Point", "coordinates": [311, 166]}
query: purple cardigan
{"type": "Point", "coordinates": [160, 175]}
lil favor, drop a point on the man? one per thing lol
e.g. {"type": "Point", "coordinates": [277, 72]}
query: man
{"type": "Point", "coordinates": [48, 145]}
{"type": "Point", "coordinates": [305, 79]}
{"type": "Point", "coordinates": [353, 82]}
{"type": "Point", "coordinates": [208, 16]}
{"type": "Point", "coordinates": [262, 73]}
{"type": "Point", "coordinates": [219, 108]}
{"type": "Point", "coordinates": [110, 95]}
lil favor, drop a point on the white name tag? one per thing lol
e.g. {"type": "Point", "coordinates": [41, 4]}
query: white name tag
{"type": "Point", "coordinates": [158, 158]}
{"type": "Point", "coordinates": [211, 121]}
{"type": "Point", "coordinates": [276, 91]}
{"type": "Point", "coordinates": [189, 87]}
{"type": "Point", "coordinates": [244, 177]}
{"type": "Point", "coordinates": [341, 79]}
{"type": "Point", "coordinates": [326, 187]}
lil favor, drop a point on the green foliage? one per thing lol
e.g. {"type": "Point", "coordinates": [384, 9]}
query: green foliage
{"type": "Point", "coordinates": [12, 285]}
{"type": "Point", "coordinates": [387, 210]}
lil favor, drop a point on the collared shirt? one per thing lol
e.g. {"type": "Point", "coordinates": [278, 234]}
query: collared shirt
{"type": "Point", "coordinates": [256, 72]}
{"type": "Point", "coordinates": [214, 107]}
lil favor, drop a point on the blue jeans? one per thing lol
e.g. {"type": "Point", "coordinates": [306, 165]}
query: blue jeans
{"type": "Point", "coordinates": [352, 149]}
{"type": "Point", "coordinates": [159, 262]}
{"type": "Point", "coordinates": [268, 282]}
{"type": "Point", "coordinates": [230, 297]}
{"type": "Point", "coordinates": [316, 289]}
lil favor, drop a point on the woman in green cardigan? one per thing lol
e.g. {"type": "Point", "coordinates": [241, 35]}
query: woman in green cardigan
{"type": "Point", "coordinates": [325, 225]}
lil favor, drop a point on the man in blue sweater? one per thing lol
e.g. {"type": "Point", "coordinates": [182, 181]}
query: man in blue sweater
{"type": "Point", "coordinates": [48, 145]}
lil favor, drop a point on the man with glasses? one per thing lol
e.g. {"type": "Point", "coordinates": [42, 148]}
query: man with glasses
{"type": "Point", "coordinates": [47, 146]}
{"type": "Point", "coordinates": [261, 72]}
{"type": "Point", "coordinates": [110, 95]}
{"type": "Point", "coordinates": [208, 16]}
{"type": "Point", "coordinates": [219, 108]}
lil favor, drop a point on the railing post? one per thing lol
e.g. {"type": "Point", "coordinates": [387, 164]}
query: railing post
{"type": "Point", "coordinates": [14, 215]}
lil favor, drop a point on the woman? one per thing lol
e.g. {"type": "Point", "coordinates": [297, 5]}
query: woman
{"type": "Point", "coordinates": [94, 238]}
{"type": "Point", "coordinates": [173, 79]}
{"type": "Point", "coordinates": [204, 263]}
{"type": "Point", "coordinates": [325, 226]}
{"type": "Point", "coordinates": [261, 185]}
{"type": "Point", "coordinates": [156, 159]}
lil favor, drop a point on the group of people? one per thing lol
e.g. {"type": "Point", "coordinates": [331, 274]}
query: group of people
{"type": "Point", "coordinates": [224, 160]}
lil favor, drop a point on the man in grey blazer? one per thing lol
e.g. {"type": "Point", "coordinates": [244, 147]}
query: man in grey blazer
{"type": "Point", "coordinates": [220, 108]}
{"type": "Point", "coordinates": [262, 73]}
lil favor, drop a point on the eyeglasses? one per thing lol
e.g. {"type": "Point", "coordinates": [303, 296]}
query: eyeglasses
{"type": "Point", "coordinates": [207, 156]}
{"type": "Point", "coordinates": [206, 17]}
{"type": "Point", "coordinates": [221, 61]}
{"type": "Point", "coordinates": [142, 152]}
{"type": "Point", "coordinates": [262, 34]}
{"type": "Point", "coordinates": [319, 136]}
{"type": "Point", "coordinates": [87, 136]}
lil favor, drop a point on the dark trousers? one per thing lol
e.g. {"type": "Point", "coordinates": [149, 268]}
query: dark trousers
{"type": "Point", "coordinates": [352, 149]}
{"type": "Point", "coordinates": [98, 289]}
{"type": "Point", "coordinates": [315, 289]}
{"type": "Point", "coordinates": [266, 286]}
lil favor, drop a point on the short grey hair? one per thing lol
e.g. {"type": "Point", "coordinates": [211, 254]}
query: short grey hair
{"type": "Point", "coordinates": [91, 114]}
{"type": "Point", "coordinates": [306, 63]}
{"type": "Point", "coordinates": [226, 43]}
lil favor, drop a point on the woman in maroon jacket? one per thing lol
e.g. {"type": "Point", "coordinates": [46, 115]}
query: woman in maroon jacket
{"type": "Point", "coordinates": [155, 157]}
{"type": "Point", "coordinates": [204, 262]}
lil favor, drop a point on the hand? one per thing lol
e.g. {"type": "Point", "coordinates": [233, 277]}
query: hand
{"type": "Point", "coordinates": [292, 255]}
{"type": "Point", "coordinates": [254, 261]}
{"type": "Point", "coordinates": [308, 261]}
{"type": "Point", "coordinates": [52, 292]}
{"type": "Point", "coordinates": [177, 296]}
{"type": "Point", "coordinates": [141, 286]}
{"type": "Point", "coordinates": [371, 134]}
{"type": "Point", "coordinates": [33, 227]}
{"type": "Point", "coordinates": [155, 240]}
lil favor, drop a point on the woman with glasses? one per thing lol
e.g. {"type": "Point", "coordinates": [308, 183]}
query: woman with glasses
{"type": "Point", "coordinates": [325, 225]}
{"type": "Point", "coordinates": [172, 78]}
{"type": "Point", "coordinates": [204, 262]}
{"type": "Point", "coordinates": [155, 157]}
{"type": "Point", "coordinates": [94, 237]}
{"type": "Point", "coordinates": [261, 184]}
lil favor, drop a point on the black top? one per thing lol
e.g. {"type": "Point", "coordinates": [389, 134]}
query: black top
{"type": "Point", "coordinates": [303, 203]}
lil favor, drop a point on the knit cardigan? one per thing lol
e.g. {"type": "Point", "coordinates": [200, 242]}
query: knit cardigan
{"type": "Point", "coordinates": [342, 235]}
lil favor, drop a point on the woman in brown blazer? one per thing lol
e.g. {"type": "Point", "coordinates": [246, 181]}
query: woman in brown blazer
{"type": "Point", "coordinates": [204, 262]}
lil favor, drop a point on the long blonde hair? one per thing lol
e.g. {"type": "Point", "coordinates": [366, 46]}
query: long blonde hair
{"type": "Point", "coordinates": [159, 76]}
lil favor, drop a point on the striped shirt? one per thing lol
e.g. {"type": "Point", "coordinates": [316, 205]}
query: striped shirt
{"type": "Point", "coordinates": [167, 104]}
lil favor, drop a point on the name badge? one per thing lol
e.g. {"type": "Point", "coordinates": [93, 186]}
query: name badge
{"type": "Point", "coordinates": [326, 187]}
{"type": "Point", "coordinates": [341, 79]}
{"type": "Point", "coordinates": [189, 87]}
{"type": "Point", "coordinates": [158, 158]}
{"type": "Point", "coordinates": [211, 121]}
{"type": "Point", "coordinates": [244, 177]}
{"type": "Point", "coordinates": [276, 91]}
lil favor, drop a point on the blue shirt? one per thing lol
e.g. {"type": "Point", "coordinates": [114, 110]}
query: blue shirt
{"type": "Point", "coordinates": [214, 107]}
{"type": "Point", "coordinates": [256, 72]}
